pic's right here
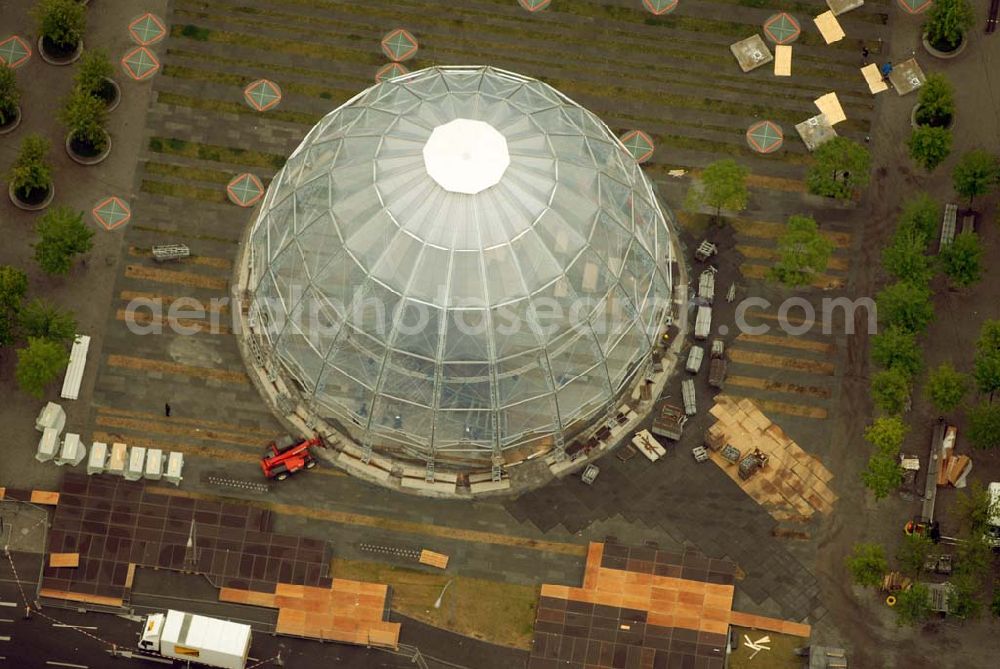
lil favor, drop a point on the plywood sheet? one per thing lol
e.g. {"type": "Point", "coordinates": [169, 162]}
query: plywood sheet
{"type": "Point", "coordinates": [829, 27]}
{"type": "Point", "coordinates": [783, 60]}
{"type": "Point", "coordinates": [433, 559]}
{"type": "Point", "coordinates": [44, 497]}
{"type": "Point", "coordinates": [829, 106]}
{"type": "Point", "coordinates": [64, 560]}
{"type": "Point", "coordinates": [81, 597]}
{"type": "Point", "coordinates": [873, 78]}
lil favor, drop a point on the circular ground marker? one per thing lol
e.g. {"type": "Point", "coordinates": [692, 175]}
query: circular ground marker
{"type": "Point", "coordinates": [245, 190]}
{"type": "Point", "coordinates": [399, 45]}
{"type": "Point", "coordinates": [112, 212]}
{"type": "Point", "coordinates": [765, 137]}
{"type": "Point", "coordinates": [262, 94]}
{"type": "Point", "coordinates": [660, 7]}
{"type": "Point", "coordinates": [140, 63]}
{"type": "Point", "coordinates": [14, 52]}
{"type": "Point", "coordinates": [147, 29]}
{"type": "Point", "coordinates": [389, 71]}
{"type": "Point", "coordinates": [915, 6]}
{"type": "Point", "coordinates": [639, 144]}
{"type": "Point", "coordinates": [782, 28]}
{"type": "Point", "coordinates": [534, 5]}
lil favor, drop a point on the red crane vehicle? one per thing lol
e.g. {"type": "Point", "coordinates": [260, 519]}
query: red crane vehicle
{"type": "Point", "coordinates": [283, 457]}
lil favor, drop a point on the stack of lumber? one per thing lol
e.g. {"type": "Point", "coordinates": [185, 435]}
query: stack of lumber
{"type": "Point", "coordinates": [894, 581]}
{"type": "Point", "coordinates": [954, 468]}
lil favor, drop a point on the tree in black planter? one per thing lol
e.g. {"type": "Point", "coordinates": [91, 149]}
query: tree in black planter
{"type": "Point", "coordinates": [10, 96]}
{"type": "Point", "coordinates": [84, 117]}
{"type": "Point", "coordinates": [976, 173]}
{"type": "Point", "coordinates": [947, 23]}
{"type": "Point", "coordinates": [94, 77]}
{"type": "Point", "coordinates": [936, 102]}
{"type": "Point", "coordinates": [30, 177]}
{"type": "Point", "coordinates": [62, 234]}
{"type": "Point", "coordinates": [61, 24]}
{"type": "Point", "coordinates": [840, 168]}
{"type": "Point", "coordinates": [929, 146]}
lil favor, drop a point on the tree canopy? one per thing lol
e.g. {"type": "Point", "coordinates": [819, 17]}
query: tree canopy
{"type": "Point", "coordinates": [920, 215]}
{"type": "Point", "coordinates": [936, 99]}
{"type": "Point", "coordinates": [867, 564]}
{"type": "Point", "coordinates": [896, 348]}
{"type": "Point", "coordinates": [946, 387]}
{"type": "Point", "coordinates": [913, 605]}
{"type": "Point", "coordinates": [723, 186]}
{"type": "Point", "coordinates": [905, 305]}
{"type": "Point", "coordinates": [891, 390]}
{"type": "Point", "coordinates": [962, 260]}
{"type": "Point", "coordinates": [887, 433]}
{"type": "Point", "coordinates": [13, 286]}
{"type": "Point", "coordinates": [883, 474]}
{"type": "Point", "coordinates": [906, 259]}
{"type": "Point", "coordinates": [929, 146]}
{"type": "Point", "coordinates": [39, 364]}
{"type": "Point", "coordinates": [803, 252]}
{"type": "Point", "coordinates": [840, 169]}
{"type": "Point", "coordinates": [984, 425]}
{"type": "Point", "coordinates": [986, 369]}
{"type": "Point", "coordinates": [62, 235]}
{"type": "Point", "coordinates": [975, 174]}
{"type": "Point", "coordinates": [42, 319]}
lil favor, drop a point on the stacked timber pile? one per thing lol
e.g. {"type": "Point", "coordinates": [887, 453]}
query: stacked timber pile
{"type": "Point", "coordinates": [954, 468]}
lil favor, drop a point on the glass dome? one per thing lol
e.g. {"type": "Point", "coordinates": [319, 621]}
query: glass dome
{"type": "Point", "coordinates": [460, 263]}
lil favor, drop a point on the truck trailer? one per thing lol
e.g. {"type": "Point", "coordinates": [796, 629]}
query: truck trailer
{"type": "Point", "coordinates": [200, 639]}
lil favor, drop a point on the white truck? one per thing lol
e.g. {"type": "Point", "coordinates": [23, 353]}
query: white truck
{"type": "Point", "coordinates": [200, 639]}
{"type": "Point", "coordinates": [993, 524]}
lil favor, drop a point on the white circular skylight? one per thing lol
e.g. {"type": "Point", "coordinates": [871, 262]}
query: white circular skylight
{"type": "Point", "coordinates": [466, 156]}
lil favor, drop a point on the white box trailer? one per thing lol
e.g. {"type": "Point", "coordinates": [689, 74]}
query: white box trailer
{"type": "Point", "coordinates": [186, 636]}
{"type": "Point", "coordinates": [74, 371]}
{"type": "Point", "coordinates": [687, 394]}
{"type": "Point", "coordinates": [703, 323]}
{"type": "Point", "coordinates": [52, 415]}
{"type": "Point", "coordinates": [706, 285]}
{"type": "Point", "coordinates": [695, 356]}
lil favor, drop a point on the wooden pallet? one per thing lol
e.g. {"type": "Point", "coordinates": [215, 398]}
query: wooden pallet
{"type": "Point", "coordinates": [433, 559]}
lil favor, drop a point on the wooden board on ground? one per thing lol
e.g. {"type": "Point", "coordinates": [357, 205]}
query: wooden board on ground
{"type": "Point", "coordinates": [44, 497]}
{"type": "Point", "coordinates": [115, 602]}
{"type": "Point", "coordinates": [433, 559]}
{"type": "Point", "coordinates": [873, 78]}
{"type": "Point", "coordinates": [64, 560]}
{"type": "Point", "coordinates": [829, 106]}
{"type": "Point", "coordinates": [829, 27]}
{"type": "Point", "coordinates": [783, 60]}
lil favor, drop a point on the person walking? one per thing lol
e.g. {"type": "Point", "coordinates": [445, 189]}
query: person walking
{"type": "Point", "coordinates": [886, 70]}
{"type": "Point", "coordinates": [864, 55]}
{"type": "Point", "coordinates": [166, 409]}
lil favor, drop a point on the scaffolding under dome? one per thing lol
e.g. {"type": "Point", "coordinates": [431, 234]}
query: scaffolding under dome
{"type": "Point", "coordinates": [460, 265]}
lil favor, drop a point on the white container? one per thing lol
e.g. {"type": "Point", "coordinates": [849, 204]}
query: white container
{"type": "Point", "coordinates": [48, 445]}
{"type": "Point", "coordinates": [98, 458]}
{"type": "Point", "coordinates": [175, 463]}
{"type": "Point", "coordinates": [74, 371]}
{"type": "Point", "coordinates": [52, 415]}
{"type": "Point", "coordinates": [136, 463]}
{"type": "Point", "coordinates": [687, 393]}
{"type": "Point", "coordinates": [703, 323]}
{"type": "Point", "coordinates": [118, 460]}
{"type": "Point", "coordinates": [72, 452]}
{"type": "Point", "coordinates": [154, 464]}
{"type": "Point", "coordinates": [706, 285]}
{"type": "Point", "coordinates": [200, 639]}
{"type": "Point", "coordinates": [695, 356]}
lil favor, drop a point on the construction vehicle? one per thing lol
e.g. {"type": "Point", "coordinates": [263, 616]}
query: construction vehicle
{"type": "Point", "coordinates": [670, 422]}
{"type": "Point", "coordinates": [200, 639]}
{"type": "Point", "coordinates": [283, 457]}
{"type": "Point", "coordinates": [717, 367]}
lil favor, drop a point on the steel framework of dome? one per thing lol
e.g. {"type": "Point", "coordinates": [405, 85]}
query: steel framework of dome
{"type": "Point", "coordinates": [458, 264]}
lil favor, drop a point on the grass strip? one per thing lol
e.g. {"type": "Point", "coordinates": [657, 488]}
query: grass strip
{"type": "Point", "coordinates": [186, 191]}
{"type": "Point", "coordinates": [173, 232]}
{"type": "Point", "coordinates": [215, 153]}
{"type": "Point", "coordinates": [189, 172]}
{"type": "Point", "coordinates": [210, 104]}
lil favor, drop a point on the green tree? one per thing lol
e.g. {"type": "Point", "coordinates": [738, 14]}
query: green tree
{"type": "Point", "coordinates": [882, 475]}
{"type": "Point", "coordinates": [984, 425]}
{"type": "Point", "coordinates": [85, 117]}
{"type": "Point", "coordinates": [936, 99]}
{"type": "Point", "coordinates": [975, 174]}
{"type": "Point", "coordinates": [46, 321]}
{"type": "Point", "coordinates": [93, 72]}
{"type": "Point", "coordinates": [891, 390]}
{"type": "Point", "coordinates": [929, 146]}
{"type": "Point", "coordinates": [886, 434]}
{"type": "Point", "coordinates": [62, 234]}
{"type": "Point", "coordinates": [921, 215]}
{"type": "Point", "coordinates": [905, 305]}
{"type": "Point", "coordinates": [840, 169]}
{"type": "Point", "coordinates": [895, 348]}
{"type": "Point", "coordinates": [987, 364]}
{"type": "Point", "coordinates": [803, 252]}
{"type": "Point", "coordinates": [995, 604]}
{"type": "Point", "coordinates": [964, 600]}
{"type": "Point", "coordinates": [961, 261]}
{"type": "Point", "coordinates": [723, 186]}
{"type": "Point", "coordinates": [913, 606]}
{"type": "Point", "coordinates": [61, 22]}
{"type": "Point", "coordinates": [867, 564]}
{"type": "Point", "coordinates": [947, 21]}
{"type": "Point", "coordinates": [40, 364]}
{"type": "Point", "coordinates": [10, 96]}
{"type": "Point", "coordinates": [912, 553]}
{"type": "Point", "coordinates": [946, 388]}
{"type": "Point", "coordinates": [906, 259]}
{"type": "Point", "coordinates": [30, 172]}
{"type": "Point", "coordinates": [973, 509]}
{"type": "Point", "coordinates": [13, 286]}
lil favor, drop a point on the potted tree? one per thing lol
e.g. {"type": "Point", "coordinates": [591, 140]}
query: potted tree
{"type": "Point", "coordinates": [935, 104]}
{"type": "Point", "coordinates": [10, 96]}
{"type": "Point", "coordinates": [60, 27]}
{"type": "Point", "coordinates": [30, 177]}
{"type": "Point", "coordinates": [94, 77]}
{"type": "Point", "coordinates": [947, 23]}
{"type": "Point", "coordinates": [87, 141]}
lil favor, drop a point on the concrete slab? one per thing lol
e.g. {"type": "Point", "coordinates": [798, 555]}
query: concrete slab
{"type": "Point", "coordinates": [815, 131]}
{"type": "Point", "coordinates": [907, 77]}
{"type": "Point", "coordinates": [751, 53]}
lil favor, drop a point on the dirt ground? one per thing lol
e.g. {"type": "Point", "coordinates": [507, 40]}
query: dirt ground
{"type": "Point", "coordinates": [861, 616]}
